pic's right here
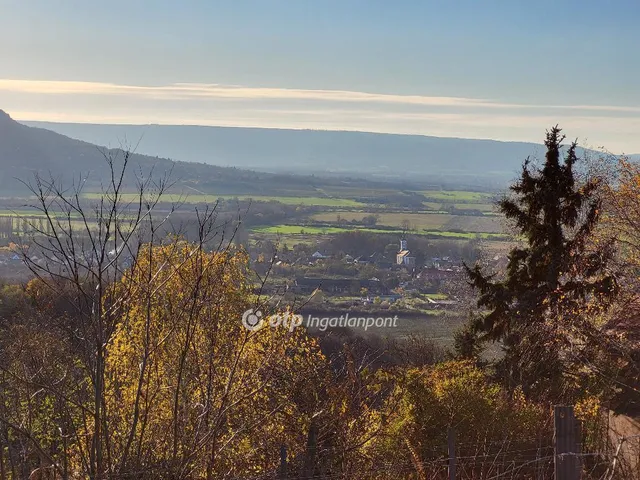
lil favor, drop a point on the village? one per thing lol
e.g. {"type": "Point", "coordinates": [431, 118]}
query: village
{"type": "Point", "coordinates": [395, 277]}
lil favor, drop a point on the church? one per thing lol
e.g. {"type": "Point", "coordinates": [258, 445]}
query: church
{"type": "Point", "coordinates": [403, 257]}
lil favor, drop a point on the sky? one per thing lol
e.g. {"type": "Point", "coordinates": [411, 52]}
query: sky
{"type": "Point", "coordinates": [505, 70]}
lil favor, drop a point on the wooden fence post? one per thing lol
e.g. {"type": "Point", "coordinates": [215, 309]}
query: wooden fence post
{"type": "Point", "coordinates": [451, 449]}
{"type": "Point", "coordinates": [565, 436]}
{"type": "Point", "coordinates": [310, 454]}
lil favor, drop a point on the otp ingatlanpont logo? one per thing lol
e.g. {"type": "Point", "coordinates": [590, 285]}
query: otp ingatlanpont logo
{"type": "Point", "coordinates": [255, 320]}
{"type": "Point", "coordinates": [252, 320]}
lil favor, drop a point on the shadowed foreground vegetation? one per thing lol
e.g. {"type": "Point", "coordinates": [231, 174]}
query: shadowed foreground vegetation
{"type": "Point", "coordinates": [126, 357]}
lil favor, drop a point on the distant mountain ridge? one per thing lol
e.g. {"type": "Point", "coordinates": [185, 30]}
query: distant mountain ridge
{"type": "Point", "coordinates": [218, 159]}
{"type": "Point", "coordinates": [317, 151]}
{"type": "Point", "coordinates": [26, 150]}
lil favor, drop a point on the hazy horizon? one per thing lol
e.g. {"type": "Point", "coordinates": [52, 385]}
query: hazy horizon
{"type": "Point", "coordinates": [498, 71]}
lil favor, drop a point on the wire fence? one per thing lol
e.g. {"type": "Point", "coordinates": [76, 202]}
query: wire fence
{"type": "Point", "coordinates": [615, 455]}
{"type": "Point", "coordinates": [507, 465]}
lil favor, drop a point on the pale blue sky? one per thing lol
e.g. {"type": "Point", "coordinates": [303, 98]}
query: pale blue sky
{"type": "Point", "coordinates": [513, 62]}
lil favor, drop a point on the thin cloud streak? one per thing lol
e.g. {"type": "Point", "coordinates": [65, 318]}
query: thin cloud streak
{"type": "Point", "coordinates": [229, 105]}
{"type": "Point", "coordinates": [195, 91]}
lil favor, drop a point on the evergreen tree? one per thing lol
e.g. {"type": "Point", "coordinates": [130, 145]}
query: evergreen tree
{"type": "Point", "coordinates": [466, 344]}
{"type": "Point", "coordinates": [551, 278]}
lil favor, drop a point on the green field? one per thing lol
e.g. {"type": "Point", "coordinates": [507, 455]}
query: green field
{"type": "Point", "coordinates": [344, 202]}
{"type": "Point", "coordinates": [322, 230]}
{"type": "Point", "coordinates": [347, 197]}
{"type": "Point", "coordinates": [437, 296]}
{"type": "Point", "coordinates": [336, 197]}
{"type": "Point", "coordinates": [453, 196]}
{"type": "Point", "coordinates": [201, 198]}
{"type": "Point", "coordinates": [483, 207]}
{"type": "Point", "coordinates": [421, 222]}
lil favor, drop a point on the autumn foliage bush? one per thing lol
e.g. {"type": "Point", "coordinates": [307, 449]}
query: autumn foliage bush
{"type": "Point", "coordinates": [190, 393]}
{"type": "Point", "coordinates": [427, 402]}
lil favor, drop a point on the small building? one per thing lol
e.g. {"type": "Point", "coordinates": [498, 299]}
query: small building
{"type": "Point", "coordinates": [403, 257]}
{"type": "Point", "coordinates": [361, 260]}
{"type": "Point", "coordinates": [379, 260]}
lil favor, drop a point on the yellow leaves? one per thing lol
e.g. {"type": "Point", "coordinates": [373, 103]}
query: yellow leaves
{"type": "Point", "coordinates": [180, 356]}
{"type": "Point", "coordinates": [588, 409]}
{"type": "Point", "coordinates": [428, 400]}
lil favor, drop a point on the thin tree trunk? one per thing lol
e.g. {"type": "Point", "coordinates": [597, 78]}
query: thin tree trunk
{"type": "Point", "coordinates": [97, 418]}
{"type": "Point", "coordinates": [3, 473]}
